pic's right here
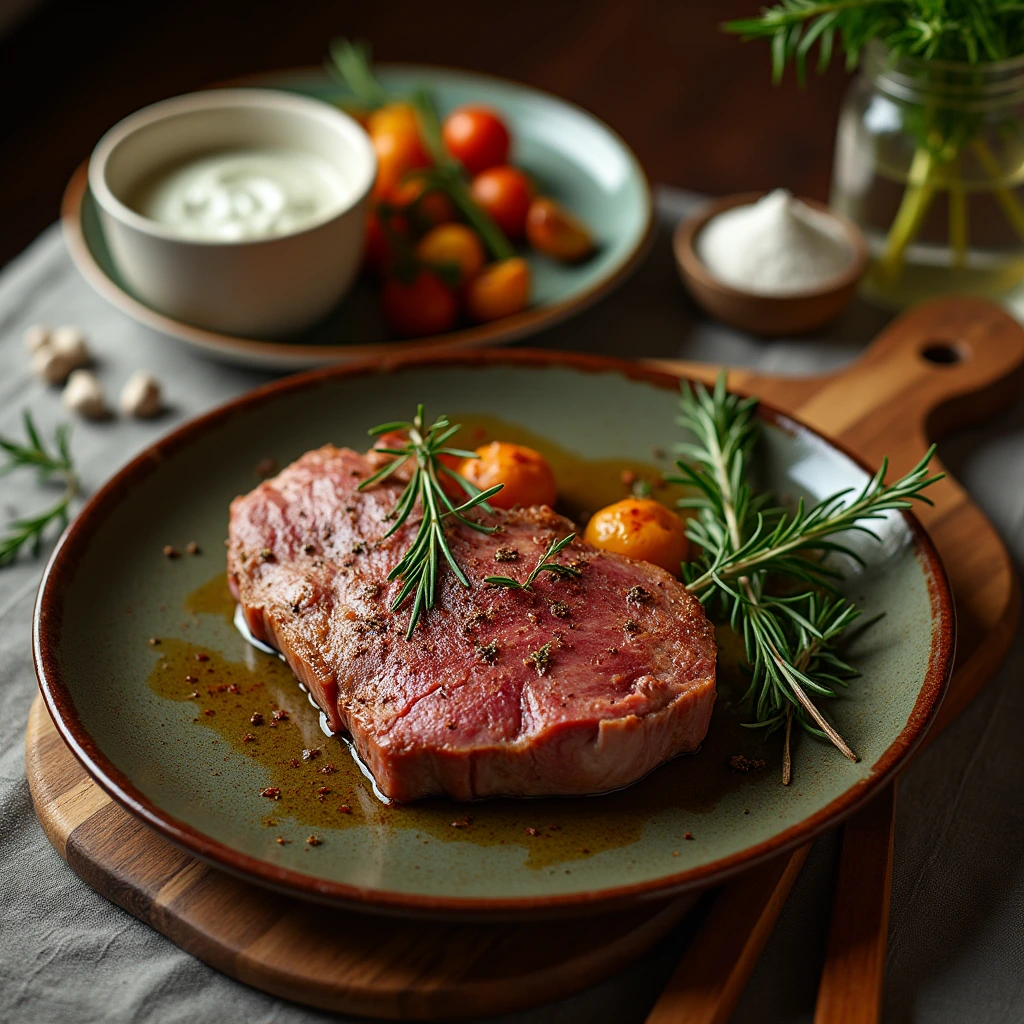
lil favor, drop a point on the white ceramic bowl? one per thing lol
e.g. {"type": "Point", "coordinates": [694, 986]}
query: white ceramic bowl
{"type": "Point", "coordinates": [267, 287]}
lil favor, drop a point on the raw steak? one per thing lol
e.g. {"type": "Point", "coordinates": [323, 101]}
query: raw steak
{"type": "Point", "coordinates": [579, 686]}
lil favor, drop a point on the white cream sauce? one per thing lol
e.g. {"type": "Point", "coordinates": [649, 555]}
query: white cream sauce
{"type": "Point", "coordinates": [243, 194]}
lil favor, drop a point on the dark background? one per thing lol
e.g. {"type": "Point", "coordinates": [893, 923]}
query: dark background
{"type": "Point", "coordinates": [696, 105]}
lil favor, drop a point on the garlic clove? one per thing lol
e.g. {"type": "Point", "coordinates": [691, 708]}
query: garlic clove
{"type": "Point", "coordinates": [69, 342]}
{"type": "Point", "coordinates": [141, 396]}
{"type": "Point", "coordinates": [50, 366]}
{"type": "Point", "coordinates": [36, 337]}
{"type": "Point", "coordinates": [83, 395]}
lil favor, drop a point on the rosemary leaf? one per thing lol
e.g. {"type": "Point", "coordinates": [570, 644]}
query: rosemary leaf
{"type": "Point", "coordinates": [746, 543]}
{"type": "Point", "coordinates": [419, 568]}
{"type": "Point", "coordinates": [544, 564]}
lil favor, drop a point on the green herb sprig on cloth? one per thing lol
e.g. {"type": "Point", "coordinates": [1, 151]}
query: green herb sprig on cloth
{"type": "Point", "coordinates": [420, 565]}
{"type": "Point", "coordinates": [33, 453]}
{"type": "Point", "coordinates": [748, 547]}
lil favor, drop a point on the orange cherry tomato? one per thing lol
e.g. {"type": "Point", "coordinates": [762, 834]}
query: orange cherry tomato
{"type": "Point", "coordinates": [554, 231]}
{"type": "Point", "coordinates": [640, 528]}
{"type": "Point", "coordinates": [477, 136]}
{"type": "Point", "coordinates": [393, 118]}
{"type": "Point", "coordinates": [427, 206]}
{"type": "Point", "coordinates": [525, 473]}
{"type": "Point", "coordinates": [500, 289]}
{"type": "Point", "coordinates": [453, 245]}
{"type": "Point", "coordinates": [379, 254]}
{"type": "Point", "coordinates": [398, 152]}
{"type": "Point", "coordinates": [426, 305]}
{"type": "Point", "coordinates": [505, 193]}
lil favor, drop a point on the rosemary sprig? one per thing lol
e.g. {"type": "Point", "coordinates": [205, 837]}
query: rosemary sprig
{"type": "Point", "coordinates": [544, 564]}
{"type": "Point", "coordinates": [419, 566]}
{"type": "Point", "coordinates": [745, 543]}
{"type": "Point", "coordinates": [949, 30]}
{"type": "Point", "coordinates": [350, 63]}
{"type": "Point", "coordinates": [928, 36]}
{"type": "Point", "coordinates": [34, 454]}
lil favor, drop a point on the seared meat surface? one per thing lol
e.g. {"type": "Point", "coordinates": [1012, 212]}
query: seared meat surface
{"type": "Point", "coordinates": [580, 686]}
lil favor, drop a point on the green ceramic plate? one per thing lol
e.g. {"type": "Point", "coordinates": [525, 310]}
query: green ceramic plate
{"type": "Point", "coordinates": [579, 161]}
{"type": "Point", "coordinates": [182, 763]}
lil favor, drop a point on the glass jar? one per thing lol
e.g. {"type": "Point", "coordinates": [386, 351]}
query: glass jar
{"type": "Point", "coordinates": [930, 163]}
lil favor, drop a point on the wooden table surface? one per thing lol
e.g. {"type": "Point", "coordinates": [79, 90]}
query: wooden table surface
{"type": "Point", "coordinates": [696, 105]}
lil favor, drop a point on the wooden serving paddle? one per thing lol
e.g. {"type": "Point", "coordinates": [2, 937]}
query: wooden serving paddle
{"type": "Point", "coordinates": [943, 365]}
{"type": "Point", "coordinates": [940, 366]}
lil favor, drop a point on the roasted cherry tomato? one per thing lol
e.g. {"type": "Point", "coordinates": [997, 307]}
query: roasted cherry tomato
{"type": "Point", "coordinates": [398, 152]}
{"type": "Point", "coordinates": [500, 289]}
{"type": "Point", "coordinates": [426, 305]}
{"type": "Point", "coordinates": [477, 137]}
{"type": "Point", "coordinates": [379, 254]}
{"type": "Point", "coordinates": [393, 118]}
{"type": "Point", "coordinates": [426, 206]}
{"type": "Point", "coordinates": [554, 231]}
{"type": "Point", "coordinates": [505, 193]}
{"type": "Point", "coordinates": [642, 529]}
{"type": "Point", "coordinates": [453, 245]}
{"type": "Point", "coordinates": [525, 473]}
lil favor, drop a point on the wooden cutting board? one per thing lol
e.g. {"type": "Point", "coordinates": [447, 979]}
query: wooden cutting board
{"type": "Point", "coordinates": [940, 366]}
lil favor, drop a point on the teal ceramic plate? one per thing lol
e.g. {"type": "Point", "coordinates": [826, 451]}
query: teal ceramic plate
{"type": "Point", "coordinates": [579, 161]}
{"type": "Point", "coordinates": [164, 731]}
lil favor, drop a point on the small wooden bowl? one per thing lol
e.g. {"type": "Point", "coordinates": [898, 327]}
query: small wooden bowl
{"type": "Point", "coordinates": [768, 315]}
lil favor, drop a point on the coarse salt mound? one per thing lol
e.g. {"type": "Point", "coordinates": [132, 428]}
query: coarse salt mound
{"type": "Point", "coordinates": [776, 246]}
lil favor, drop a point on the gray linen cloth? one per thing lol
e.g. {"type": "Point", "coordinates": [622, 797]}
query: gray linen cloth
{"type": "Point", "coordinates": [955, 949]}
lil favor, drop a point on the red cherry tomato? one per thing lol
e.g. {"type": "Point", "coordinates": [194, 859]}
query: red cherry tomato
{"type": "Point", "coordinates": [379, 254]}
{"type": "Point", "coordinates": [426, 305]}
{"type": "Point", "coordinates": [505, 193]}
{"type": "Point", "coordinates": [477, 137]}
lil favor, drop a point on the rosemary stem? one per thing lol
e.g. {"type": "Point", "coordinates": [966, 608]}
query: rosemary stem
{"type": "Point", "coordinates": [809, 707]}
{"type": "Point", "coordinates": [722, 478]}
{"type": "Point", "coordinates": [957, 216]}
{"type": "Point", "coordinates": [803, 539]}
{"type": "Point", "coordinates": [1003, 196]}
{"type": "Point", "coordinates": [916, 199]}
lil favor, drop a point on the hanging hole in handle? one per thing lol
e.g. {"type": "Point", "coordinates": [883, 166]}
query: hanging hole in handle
{"type": "Point", "coordinates": [943, 353]}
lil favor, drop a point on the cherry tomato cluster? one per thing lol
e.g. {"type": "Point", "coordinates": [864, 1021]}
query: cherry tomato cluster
{"type": "Point", "coordinates": [444, 219]}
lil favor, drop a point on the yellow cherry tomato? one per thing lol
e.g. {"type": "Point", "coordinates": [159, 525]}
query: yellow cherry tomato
{"type": "Point", "coordinates": [640, 528]}
{"type": "Point", "coordinates": [393, 117]}
{"type": "Point", "coordinates": [453, 245]}
{"type": "Point", "coordinates": [500, 289]}
{"type": "Point", "coordinates": [525, 473]}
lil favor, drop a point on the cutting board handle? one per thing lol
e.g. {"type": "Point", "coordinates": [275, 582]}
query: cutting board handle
{"type": "Point", "coordinates": [941, 365]}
